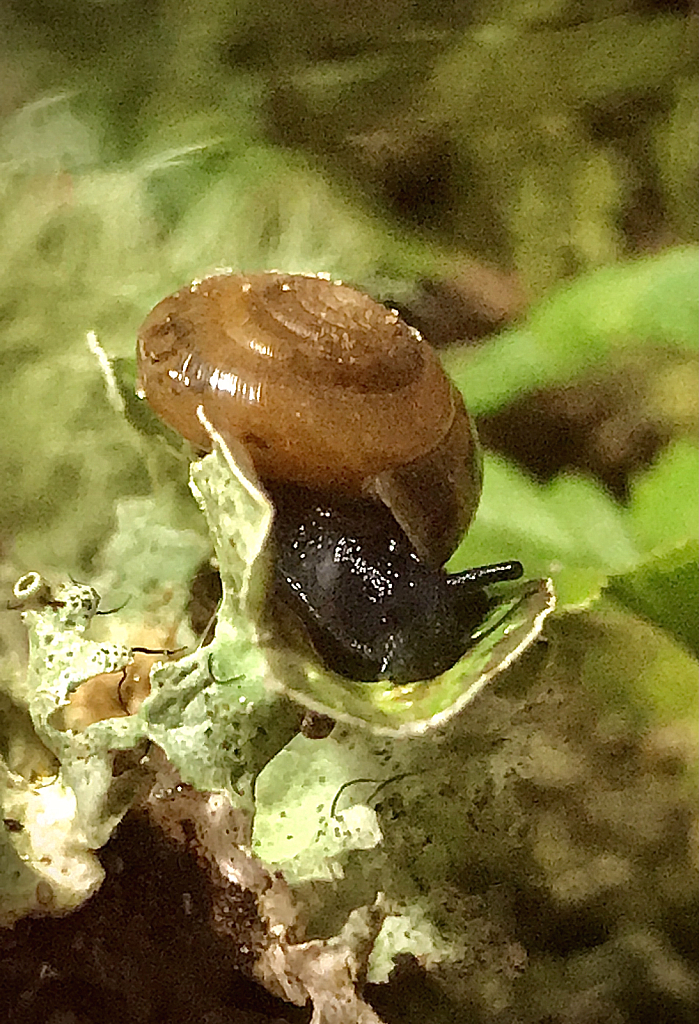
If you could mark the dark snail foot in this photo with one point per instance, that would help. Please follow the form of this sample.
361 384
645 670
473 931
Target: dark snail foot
371 608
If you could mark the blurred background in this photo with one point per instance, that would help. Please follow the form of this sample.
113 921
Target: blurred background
520 180
458 159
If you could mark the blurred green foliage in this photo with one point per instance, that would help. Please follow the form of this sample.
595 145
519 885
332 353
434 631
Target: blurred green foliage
552 137
143 144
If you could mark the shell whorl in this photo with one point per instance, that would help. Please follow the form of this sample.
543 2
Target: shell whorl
323 386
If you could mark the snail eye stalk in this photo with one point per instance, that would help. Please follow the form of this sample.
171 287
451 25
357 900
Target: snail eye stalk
486 575
314 380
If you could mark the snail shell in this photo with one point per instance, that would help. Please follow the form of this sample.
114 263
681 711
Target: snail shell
325 388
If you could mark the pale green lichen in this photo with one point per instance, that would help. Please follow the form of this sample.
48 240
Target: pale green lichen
409 930
227 718
300 827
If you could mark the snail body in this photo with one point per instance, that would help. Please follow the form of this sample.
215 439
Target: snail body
363 443
371 607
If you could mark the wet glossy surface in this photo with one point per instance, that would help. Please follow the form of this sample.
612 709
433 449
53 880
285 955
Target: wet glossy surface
321 386
371 607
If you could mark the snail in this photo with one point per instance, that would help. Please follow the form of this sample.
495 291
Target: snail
363 445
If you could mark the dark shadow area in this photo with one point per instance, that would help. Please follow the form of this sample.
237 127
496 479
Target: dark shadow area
141 950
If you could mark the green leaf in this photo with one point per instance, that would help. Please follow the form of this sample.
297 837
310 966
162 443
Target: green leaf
641 674
662 518
572 531
650 303
664 500
665 590
569 530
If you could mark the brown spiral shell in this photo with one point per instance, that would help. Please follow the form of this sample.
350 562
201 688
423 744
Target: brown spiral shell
324 387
